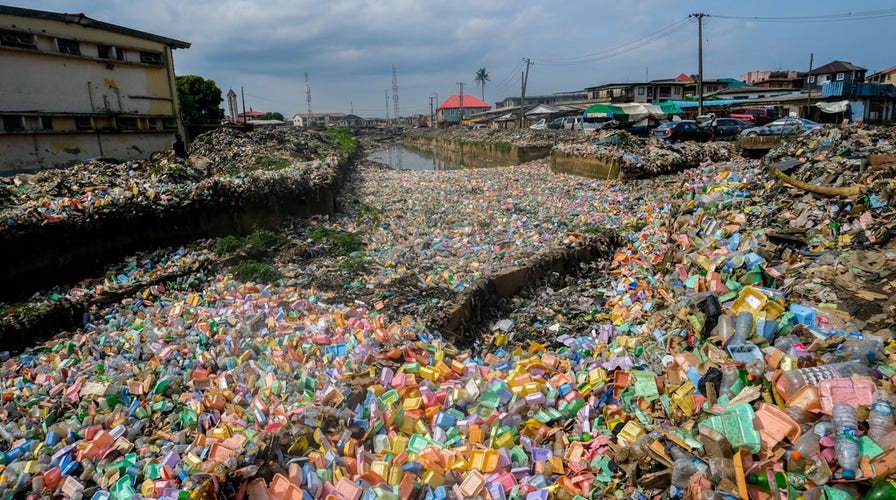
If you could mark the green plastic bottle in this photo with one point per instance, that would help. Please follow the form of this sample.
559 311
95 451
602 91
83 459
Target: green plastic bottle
782 480
884 490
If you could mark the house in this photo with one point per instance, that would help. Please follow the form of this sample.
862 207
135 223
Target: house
886 76
317 119
782 79
449 112
551 100
643 92
351 121
835 71
859 101
250 116
77 88
751 93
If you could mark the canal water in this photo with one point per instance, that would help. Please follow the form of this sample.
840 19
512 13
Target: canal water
402 157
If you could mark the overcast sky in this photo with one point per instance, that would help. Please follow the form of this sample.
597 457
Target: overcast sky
348 47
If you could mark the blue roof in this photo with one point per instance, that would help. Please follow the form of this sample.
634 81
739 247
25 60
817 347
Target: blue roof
709 104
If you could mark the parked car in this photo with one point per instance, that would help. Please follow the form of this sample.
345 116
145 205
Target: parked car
591 127
479 126
642 128
540 124
556 123
724 128
757 116
571 122
685 130
782 126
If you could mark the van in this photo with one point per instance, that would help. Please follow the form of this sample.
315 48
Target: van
572 122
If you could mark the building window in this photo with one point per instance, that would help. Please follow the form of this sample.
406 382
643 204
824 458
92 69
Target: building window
18 40
127 123
640 90
153 124
170 123
105 52
46 122
840 76
68 46
151 58
83 123
13 123
812 79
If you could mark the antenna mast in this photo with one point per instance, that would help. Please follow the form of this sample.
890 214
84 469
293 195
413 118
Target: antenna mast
308 96
395 92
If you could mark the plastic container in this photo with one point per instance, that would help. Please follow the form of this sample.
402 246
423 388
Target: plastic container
881 420
724 328
846 442
743 328
791 381
806 446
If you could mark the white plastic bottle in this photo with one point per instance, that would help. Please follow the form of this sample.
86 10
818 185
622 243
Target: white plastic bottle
880 420
846 442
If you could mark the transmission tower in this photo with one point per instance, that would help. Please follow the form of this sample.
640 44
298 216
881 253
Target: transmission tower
308 96
395 91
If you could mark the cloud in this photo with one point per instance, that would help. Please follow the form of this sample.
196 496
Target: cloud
349 46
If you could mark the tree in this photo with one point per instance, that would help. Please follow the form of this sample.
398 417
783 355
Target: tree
200 100
273 116
482 77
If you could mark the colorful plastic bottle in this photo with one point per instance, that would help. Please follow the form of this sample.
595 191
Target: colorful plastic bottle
885 490
793 380
782 480
880 420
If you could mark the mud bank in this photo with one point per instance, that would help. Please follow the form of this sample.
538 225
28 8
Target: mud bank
502 152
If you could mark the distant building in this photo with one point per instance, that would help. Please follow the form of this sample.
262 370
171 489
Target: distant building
835 71
250 116
886 76
782 79
76 88
551 100
643 92
317 119
449 111
351 121
231 105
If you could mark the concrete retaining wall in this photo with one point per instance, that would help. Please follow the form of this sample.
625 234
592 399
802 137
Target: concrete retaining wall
501 152
595 168
460 320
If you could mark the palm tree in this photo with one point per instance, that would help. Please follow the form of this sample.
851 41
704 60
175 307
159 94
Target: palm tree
481 79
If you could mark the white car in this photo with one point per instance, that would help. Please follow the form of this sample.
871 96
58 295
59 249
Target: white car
540 124
572 122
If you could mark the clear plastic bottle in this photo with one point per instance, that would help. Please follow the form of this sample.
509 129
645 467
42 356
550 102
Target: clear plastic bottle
792 380
724 328
682 471
729 377
818 471
846 442
743 328
880 420
803 452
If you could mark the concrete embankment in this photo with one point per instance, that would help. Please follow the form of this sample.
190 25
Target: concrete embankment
500 151
460 320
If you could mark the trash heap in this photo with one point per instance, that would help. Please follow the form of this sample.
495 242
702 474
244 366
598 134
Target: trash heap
643 158
709 357
517 137
224 164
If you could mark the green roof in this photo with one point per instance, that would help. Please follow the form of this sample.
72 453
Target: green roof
601 110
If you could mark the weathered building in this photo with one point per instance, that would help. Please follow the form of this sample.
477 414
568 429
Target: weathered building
76 88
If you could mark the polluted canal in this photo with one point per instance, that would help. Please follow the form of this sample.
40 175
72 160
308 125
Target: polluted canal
503 333
400 156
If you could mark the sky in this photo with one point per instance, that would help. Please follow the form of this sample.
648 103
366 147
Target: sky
348 47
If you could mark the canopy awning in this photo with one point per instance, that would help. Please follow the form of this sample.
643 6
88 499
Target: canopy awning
601 110
670 108
833 107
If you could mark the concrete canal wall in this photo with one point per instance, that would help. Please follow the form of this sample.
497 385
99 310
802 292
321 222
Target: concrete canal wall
592 167
501 152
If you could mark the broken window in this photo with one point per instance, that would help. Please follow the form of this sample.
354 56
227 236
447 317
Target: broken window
68 46
18 40
83 123
105 52
151 58
13 123
46 122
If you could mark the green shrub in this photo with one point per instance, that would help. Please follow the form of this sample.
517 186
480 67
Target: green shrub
262 238
503 146
343 243
344 139
354 262
251 270
229 244
271 163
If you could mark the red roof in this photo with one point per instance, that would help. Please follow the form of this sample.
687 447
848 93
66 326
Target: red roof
252 112
683 78
453 102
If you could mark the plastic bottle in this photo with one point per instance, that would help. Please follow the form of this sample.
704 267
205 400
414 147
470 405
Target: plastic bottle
792 380
682 471
807 446
846 442
743 328
724 328
880 420
729 378
884 490
782 481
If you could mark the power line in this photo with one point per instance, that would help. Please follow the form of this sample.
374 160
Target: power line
825 18
621 49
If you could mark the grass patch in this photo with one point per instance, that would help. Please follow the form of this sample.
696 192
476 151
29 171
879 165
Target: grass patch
229 244
262 238
354 262
503 146
271 163
251 270
344 138
343 243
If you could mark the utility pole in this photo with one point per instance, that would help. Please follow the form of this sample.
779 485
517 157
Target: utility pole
395 92
699 17
525 80
386 91
432 113
809 84
461 120
243 97
308 98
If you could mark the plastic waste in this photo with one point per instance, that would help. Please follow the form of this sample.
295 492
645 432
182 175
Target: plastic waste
792 380
884 490
881 420
846 441
743 328
781 480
